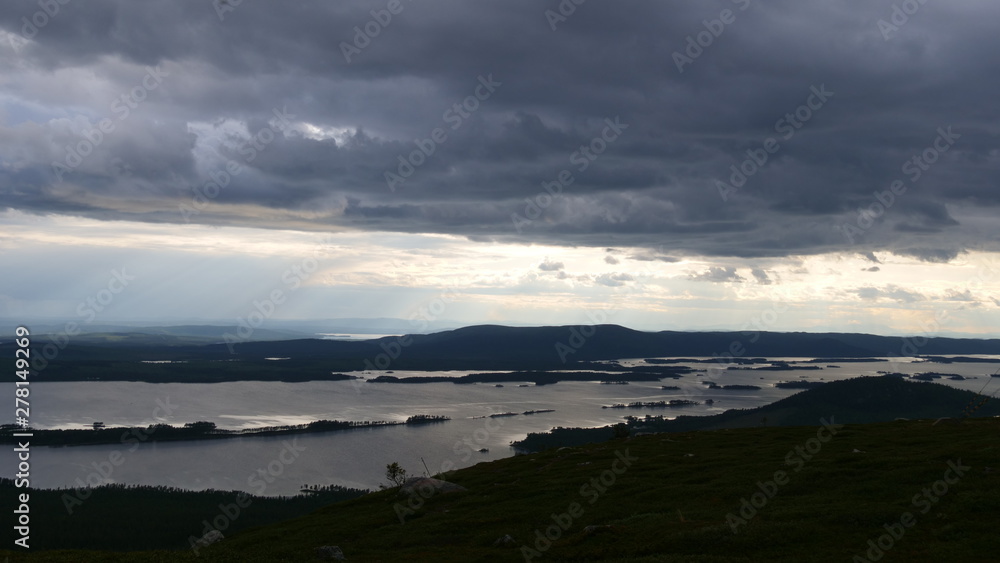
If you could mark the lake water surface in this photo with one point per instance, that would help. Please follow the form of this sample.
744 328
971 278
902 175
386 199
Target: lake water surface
357 458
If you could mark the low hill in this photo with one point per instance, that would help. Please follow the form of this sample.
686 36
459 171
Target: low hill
852 401
550 345
181 335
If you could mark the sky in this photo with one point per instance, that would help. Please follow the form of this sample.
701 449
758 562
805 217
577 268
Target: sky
783 164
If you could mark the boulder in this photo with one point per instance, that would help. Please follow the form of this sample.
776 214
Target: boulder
213 536
505 541
428 486
330 553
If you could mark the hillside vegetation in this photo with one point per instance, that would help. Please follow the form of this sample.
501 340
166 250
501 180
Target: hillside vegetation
820 495
131 517
857 400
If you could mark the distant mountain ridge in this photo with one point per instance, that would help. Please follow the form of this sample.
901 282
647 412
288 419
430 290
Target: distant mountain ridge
553 344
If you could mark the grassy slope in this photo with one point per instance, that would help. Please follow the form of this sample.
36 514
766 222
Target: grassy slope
669 506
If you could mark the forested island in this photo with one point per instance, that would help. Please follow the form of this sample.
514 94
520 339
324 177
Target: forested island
738 387
543 377
653 404
201 430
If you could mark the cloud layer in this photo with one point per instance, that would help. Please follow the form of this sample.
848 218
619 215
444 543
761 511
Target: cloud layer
721 128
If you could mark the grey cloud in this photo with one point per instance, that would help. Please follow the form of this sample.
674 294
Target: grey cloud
613 280
890 292
653 186
653 256
940 255
761 276
718 274
549 266
953 295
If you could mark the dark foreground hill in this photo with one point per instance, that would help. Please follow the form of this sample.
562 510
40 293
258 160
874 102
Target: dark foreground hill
134 517
858 400
897 491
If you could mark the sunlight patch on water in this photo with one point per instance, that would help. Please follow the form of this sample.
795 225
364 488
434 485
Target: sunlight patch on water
257 421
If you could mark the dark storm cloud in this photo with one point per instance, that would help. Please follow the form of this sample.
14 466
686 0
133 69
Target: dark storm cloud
586 135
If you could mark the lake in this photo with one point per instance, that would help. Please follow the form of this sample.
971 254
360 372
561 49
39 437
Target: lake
357 458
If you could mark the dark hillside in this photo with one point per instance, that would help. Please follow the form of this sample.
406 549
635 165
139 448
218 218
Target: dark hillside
859 400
